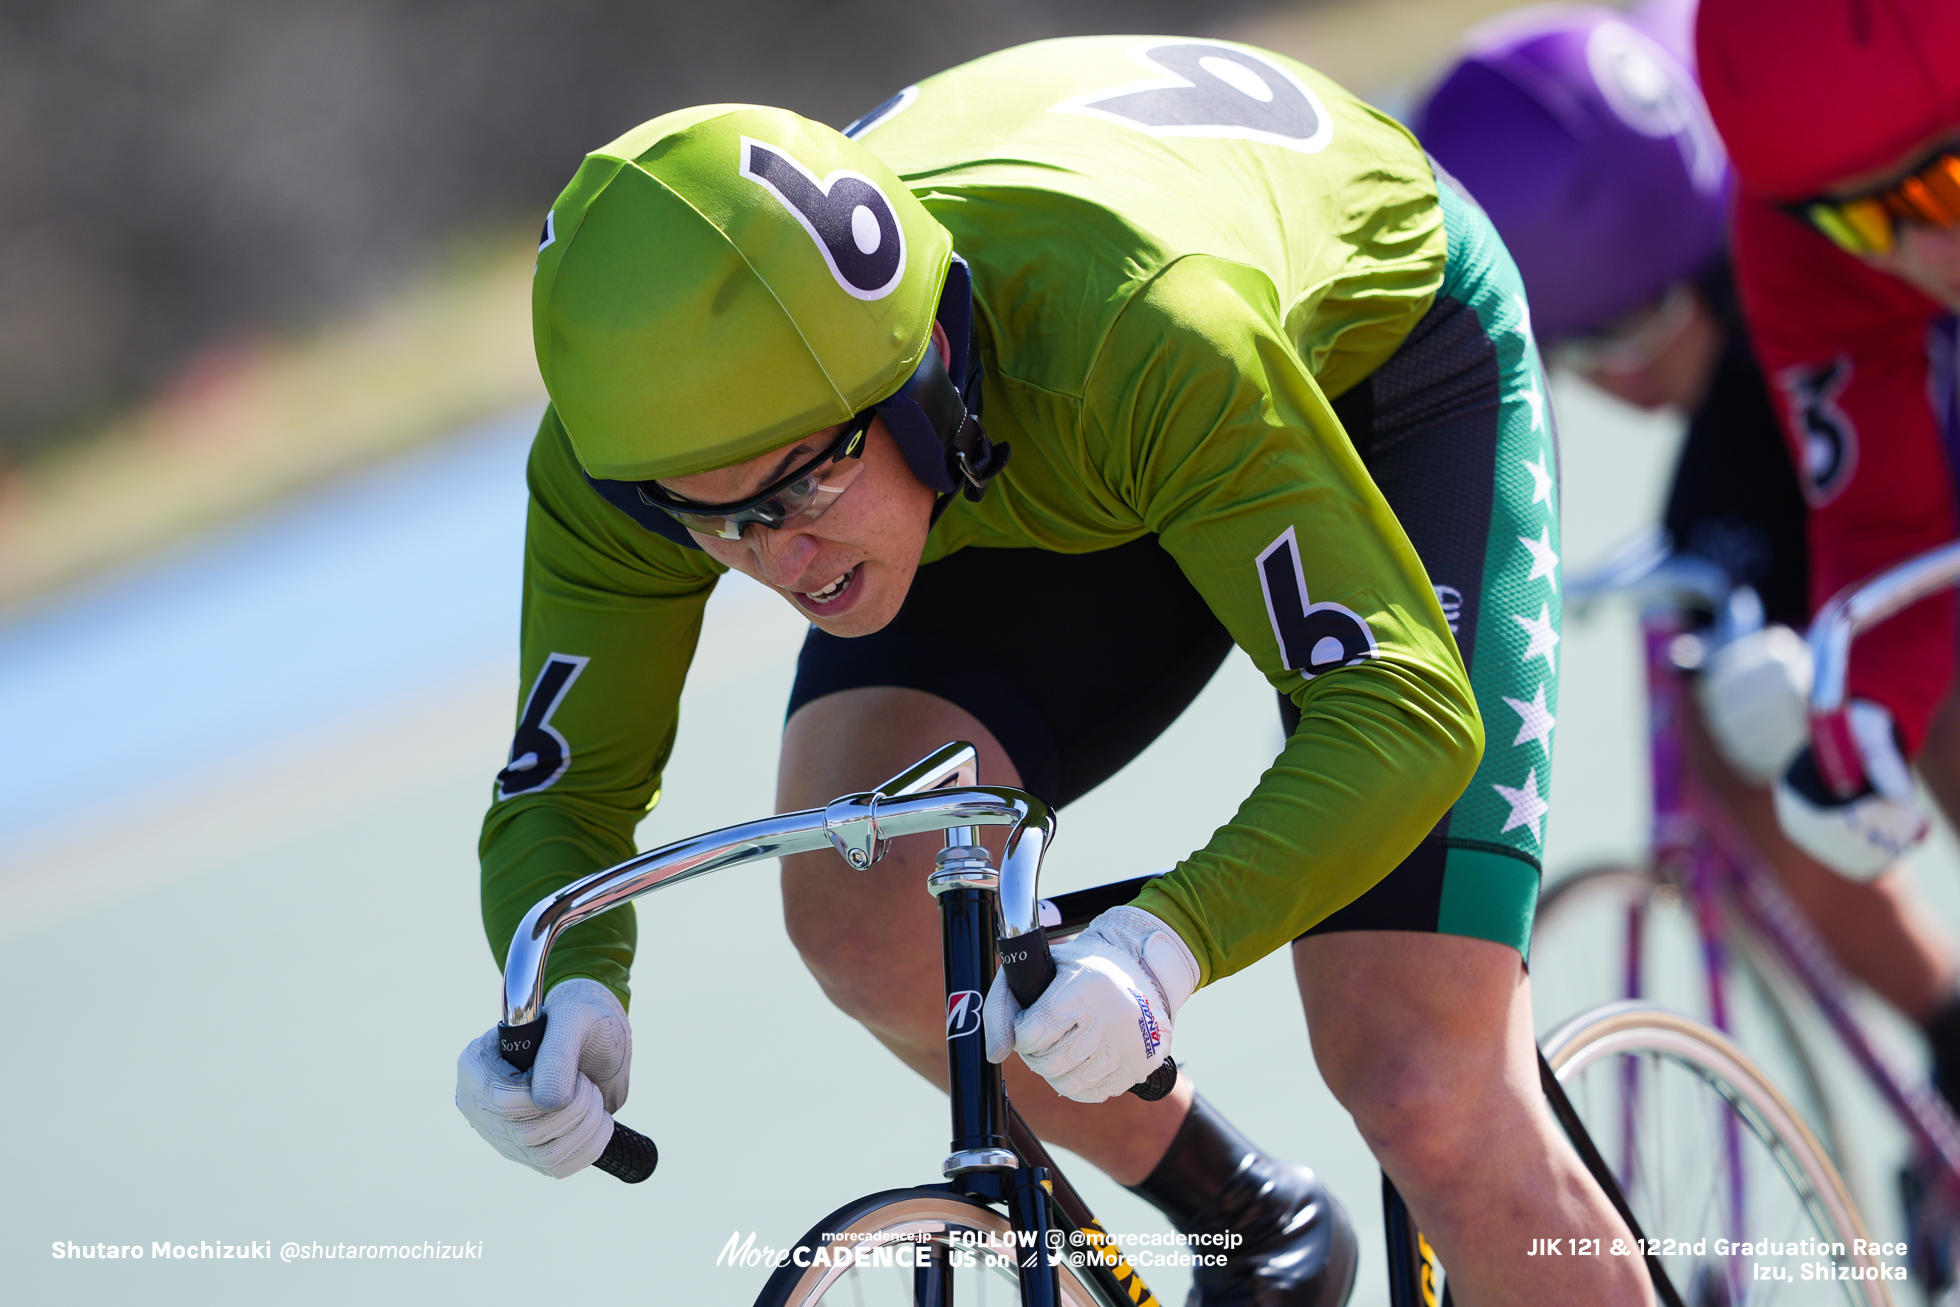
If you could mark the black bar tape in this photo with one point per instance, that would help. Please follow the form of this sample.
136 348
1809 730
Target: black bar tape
1029 966
629 1154
1159 1083
519 1044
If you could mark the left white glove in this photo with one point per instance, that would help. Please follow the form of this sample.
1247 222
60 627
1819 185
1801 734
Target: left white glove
1104 1022
556 1117
1755 696
1861 836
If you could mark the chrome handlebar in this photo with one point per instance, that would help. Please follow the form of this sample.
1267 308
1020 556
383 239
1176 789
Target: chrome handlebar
858 826
1645 568
1857 608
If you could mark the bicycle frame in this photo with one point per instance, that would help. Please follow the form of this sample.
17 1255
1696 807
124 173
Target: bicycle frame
1697 848
993 1154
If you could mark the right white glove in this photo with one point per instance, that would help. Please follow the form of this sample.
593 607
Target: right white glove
1755 695
1104 1022
556 1117
1860 836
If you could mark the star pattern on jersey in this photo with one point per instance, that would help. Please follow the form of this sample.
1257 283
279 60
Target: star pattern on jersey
1536 398
1543 639
1536 720
1543 561
1526 803
1528 808
1541 481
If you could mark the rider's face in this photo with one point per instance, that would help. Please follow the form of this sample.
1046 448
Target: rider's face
869 540
1666 359
1927 258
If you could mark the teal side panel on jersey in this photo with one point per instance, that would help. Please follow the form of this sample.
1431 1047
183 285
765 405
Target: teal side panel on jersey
1497 829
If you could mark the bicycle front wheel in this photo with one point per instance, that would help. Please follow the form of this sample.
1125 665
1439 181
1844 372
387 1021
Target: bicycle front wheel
908 1248
1729 1185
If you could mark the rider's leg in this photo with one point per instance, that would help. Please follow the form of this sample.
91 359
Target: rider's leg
1879 929
872 939
1416 994
1427 1040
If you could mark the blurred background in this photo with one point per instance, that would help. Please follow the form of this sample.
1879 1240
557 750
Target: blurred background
265 394
282 240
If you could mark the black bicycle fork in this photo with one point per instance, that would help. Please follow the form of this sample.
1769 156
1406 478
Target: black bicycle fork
983 1162
995 1156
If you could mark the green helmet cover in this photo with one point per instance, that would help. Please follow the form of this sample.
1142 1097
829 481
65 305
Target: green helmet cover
723 280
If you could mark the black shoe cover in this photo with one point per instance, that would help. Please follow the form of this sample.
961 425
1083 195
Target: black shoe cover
1299 1247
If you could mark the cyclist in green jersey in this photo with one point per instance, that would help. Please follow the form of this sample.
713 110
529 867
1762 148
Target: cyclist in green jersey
1251 374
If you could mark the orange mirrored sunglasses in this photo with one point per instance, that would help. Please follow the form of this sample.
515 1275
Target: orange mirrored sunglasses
1866 224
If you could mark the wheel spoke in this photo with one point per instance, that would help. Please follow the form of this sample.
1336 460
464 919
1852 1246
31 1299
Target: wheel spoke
1714 1152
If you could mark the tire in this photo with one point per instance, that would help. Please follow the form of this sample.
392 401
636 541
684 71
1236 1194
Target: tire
1669 1102
915 1217
1579 962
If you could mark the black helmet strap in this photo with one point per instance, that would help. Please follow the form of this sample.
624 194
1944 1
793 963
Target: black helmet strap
935 418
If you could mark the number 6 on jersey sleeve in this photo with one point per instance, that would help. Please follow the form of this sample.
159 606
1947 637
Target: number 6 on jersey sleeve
538 753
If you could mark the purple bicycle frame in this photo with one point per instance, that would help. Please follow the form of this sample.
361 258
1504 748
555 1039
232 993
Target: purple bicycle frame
1699 849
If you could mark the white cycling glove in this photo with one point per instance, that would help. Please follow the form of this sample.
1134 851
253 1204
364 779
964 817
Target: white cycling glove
1104 1022
1863 835
556 1117
1755 695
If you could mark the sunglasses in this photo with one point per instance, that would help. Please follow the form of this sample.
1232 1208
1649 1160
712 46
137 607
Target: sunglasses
797 500
1865 224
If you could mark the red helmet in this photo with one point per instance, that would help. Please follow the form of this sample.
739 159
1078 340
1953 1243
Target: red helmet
1809 92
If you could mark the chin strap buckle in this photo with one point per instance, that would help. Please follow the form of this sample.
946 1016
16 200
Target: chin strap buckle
977 459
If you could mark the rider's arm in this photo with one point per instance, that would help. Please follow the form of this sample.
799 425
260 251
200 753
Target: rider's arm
1849 354
1202 421
600 588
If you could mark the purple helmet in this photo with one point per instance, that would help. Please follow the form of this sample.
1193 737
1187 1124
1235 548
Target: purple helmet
1671 23
1589 146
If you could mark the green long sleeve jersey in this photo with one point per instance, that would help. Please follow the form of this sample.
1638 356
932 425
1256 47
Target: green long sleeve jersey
1179 250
